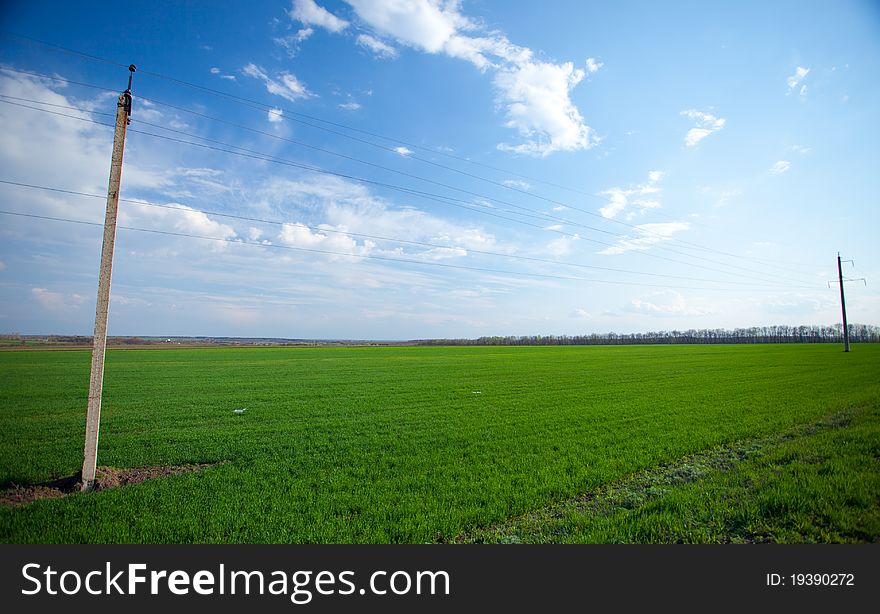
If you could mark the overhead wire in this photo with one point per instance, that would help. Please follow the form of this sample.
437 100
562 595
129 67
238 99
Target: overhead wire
244 152
289 112
360 256
324 229
640 228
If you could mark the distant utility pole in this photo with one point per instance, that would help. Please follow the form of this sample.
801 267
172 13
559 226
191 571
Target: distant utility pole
840 281
99 343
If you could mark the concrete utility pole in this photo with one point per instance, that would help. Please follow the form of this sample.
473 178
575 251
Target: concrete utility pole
99 343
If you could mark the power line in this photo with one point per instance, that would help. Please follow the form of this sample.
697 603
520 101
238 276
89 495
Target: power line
265 157
243 152
55 78
377 237
254 104
411 175
261 106
57 106
363 256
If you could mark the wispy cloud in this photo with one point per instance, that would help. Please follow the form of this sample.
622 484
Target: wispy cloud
56 301
351 105
216 71
666 303
593 65
796 79
518 184
291 43
285 85
726 196
309 13
641 197
376 47
706 124
562 246
275 115
403 151
647 235
780 167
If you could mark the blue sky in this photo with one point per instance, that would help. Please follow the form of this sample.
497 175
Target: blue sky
418 169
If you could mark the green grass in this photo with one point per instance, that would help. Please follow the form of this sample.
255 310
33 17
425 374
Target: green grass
392 444
817 483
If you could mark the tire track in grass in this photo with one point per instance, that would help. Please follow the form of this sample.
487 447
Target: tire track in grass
643 488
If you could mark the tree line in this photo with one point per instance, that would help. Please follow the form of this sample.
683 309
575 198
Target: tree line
782 333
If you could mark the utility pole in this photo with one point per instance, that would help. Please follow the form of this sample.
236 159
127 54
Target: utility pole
99 342
840 280
842 304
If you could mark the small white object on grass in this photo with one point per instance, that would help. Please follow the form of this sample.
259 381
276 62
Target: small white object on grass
476 392
239 411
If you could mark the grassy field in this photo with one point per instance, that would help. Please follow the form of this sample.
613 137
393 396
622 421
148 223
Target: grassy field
438 444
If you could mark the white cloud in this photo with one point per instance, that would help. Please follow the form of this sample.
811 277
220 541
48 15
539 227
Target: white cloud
286 85
216 71
420 23
196 222
647 235
642 197
443 253
275 115
338 204
780 167
666 303
562 246
75 151
582 314
403 151
534 95
794 80
518 184
292 42
2 266
799 303
377 47
178 218
538 106
706 124
593 65
309 13
341 245
57 301
801 149
351 105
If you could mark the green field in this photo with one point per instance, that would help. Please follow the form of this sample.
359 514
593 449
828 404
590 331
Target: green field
418 444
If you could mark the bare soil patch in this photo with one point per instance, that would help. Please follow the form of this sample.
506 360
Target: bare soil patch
105 477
